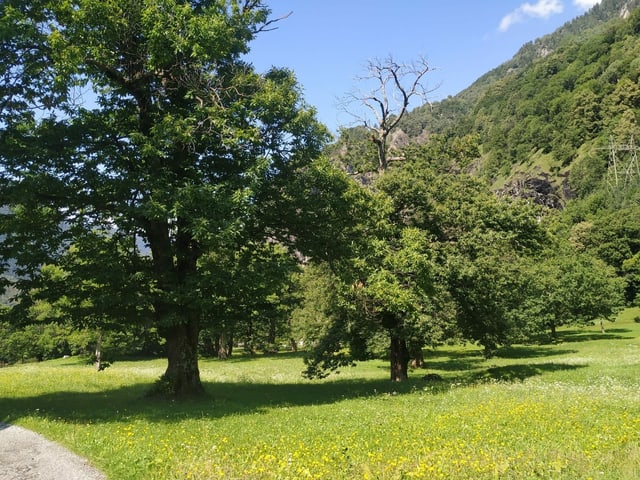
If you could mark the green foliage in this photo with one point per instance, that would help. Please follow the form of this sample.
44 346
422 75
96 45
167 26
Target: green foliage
489 292
631 270
573 288
613 237
41 342
44 341
186 152
446 263
319 306
354 151
572 88
586 174
562 98
251 294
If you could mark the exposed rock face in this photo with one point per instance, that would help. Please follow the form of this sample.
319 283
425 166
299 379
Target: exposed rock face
624 12
543 51
538 189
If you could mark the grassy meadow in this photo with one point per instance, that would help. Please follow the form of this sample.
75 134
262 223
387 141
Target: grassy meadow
570 410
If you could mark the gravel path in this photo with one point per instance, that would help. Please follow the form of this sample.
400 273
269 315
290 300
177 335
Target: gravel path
25 455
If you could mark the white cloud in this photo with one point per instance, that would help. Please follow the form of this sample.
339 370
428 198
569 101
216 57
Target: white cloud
540 9
585 4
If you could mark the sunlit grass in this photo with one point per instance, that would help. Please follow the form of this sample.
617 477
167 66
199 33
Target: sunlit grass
564 411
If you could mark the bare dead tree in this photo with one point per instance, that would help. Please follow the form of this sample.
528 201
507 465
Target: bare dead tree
380 109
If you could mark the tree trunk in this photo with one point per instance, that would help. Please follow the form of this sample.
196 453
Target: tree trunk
271 335
249 346
230 344
223 346
98 362
418 360
399 358
381 146
554 333
174 265
182 377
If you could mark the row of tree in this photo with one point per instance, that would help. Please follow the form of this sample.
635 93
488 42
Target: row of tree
445 259
187 195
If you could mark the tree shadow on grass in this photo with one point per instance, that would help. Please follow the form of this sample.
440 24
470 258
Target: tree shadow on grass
239 398
453 361
472 360
222 399
520 372
589 335
241 356
531 351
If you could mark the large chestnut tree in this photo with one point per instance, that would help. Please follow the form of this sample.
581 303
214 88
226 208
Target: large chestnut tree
138 127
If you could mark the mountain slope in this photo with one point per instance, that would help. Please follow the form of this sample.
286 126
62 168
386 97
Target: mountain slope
548 114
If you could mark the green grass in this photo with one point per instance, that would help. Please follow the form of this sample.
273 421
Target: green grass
570 410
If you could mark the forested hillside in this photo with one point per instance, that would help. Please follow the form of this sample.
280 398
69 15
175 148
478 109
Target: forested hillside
551 111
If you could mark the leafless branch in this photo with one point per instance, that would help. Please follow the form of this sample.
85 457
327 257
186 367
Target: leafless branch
268 25
393 86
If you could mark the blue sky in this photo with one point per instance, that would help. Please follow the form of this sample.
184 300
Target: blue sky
327 43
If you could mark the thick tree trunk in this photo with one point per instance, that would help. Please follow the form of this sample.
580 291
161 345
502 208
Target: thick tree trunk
399 358
182 377
174 264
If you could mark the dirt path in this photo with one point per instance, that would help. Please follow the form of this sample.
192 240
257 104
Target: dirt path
25 455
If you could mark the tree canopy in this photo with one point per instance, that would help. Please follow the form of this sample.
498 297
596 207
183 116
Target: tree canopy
136 142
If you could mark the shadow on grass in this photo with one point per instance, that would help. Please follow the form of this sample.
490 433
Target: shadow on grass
453 361
243 357
589 335
520 372
241 398
222 399
530 351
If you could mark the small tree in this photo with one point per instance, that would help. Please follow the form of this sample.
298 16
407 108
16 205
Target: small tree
573 288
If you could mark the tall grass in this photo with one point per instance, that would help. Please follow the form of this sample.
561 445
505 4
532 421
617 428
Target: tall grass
570 410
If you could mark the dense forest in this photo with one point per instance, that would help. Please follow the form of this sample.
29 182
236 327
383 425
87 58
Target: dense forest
508 210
